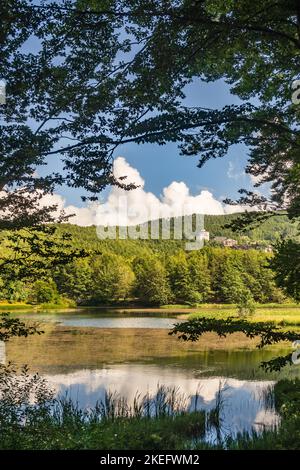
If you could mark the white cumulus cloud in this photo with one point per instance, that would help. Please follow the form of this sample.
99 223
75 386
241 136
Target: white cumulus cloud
137 206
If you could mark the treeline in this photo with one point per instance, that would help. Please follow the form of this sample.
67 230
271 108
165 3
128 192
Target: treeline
153 277
150 271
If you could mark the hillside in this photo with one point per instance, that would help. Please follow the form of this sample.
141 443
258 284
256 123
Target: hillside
269 231
154 271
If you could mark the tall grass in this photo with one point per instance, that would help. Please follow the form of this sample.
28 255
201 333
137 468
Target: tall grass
31 417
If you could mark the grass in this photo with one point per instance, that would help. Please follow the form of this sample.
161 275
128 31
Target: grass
31 418
15 306
226 306
286 314
72 432
65 303
158 422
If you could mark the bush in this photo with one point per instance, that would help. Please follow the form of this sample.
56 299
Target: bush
246 304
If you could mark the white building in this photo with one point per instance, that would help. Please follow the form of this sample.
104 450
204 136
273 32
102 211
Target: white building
203 235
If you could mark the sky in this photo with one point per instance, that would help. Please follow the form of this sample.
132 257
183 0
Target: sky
170 183
160 168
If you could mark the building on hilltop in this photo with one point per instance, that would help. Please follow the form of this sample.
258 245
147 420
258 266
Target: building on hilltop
203 235
229 242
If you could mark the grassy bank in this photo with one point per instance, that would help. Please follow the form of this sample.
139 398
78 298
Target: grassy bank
72 432
286 314
15 306
65 304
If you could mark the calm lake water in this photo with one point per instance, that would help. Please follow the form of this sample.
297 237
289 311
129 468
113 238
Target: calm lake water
85 353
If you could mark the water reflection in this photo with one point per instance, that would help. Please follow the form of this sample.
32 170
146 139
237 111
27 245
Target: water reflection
115 322
243 408
104 319
86 354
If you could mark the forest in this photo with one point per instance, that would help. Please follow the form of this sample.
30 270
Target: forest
201 93
154 272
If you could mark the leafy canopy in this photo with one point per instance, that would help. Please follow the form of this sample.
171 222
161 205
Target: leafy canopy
103 73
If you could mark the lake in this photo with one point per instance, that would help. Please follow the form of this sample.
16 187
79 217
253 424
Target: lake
87 352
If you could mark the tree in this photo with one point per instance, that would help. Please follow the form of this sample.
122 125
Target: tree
108 73
268 333
200 274
63 99
75 280
241 42
112 278
181 283
11 327
286 264
15 291
246 304
29 254
114 72
232 285
151 284
44 292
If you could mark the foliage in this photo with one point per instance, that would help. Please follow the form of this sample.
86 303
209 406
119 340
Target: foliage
29 254
10 327
55 93
231 284
200 275
268 332
31 418
109 73
105 74
286 264
75 280
151 284
246 304
112 279
44 292
181 279
92 271
14 291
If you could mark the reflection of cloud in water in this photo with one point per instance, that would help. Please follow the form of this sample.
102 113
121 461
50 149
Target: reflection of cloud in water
265 418
243 407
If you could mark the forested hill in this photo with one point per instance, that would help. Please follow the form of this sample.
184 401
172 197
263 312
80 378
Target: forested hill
149 271
269 231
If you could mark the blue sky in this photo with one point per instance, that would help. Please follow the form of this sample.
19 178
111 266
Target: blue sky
161 165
